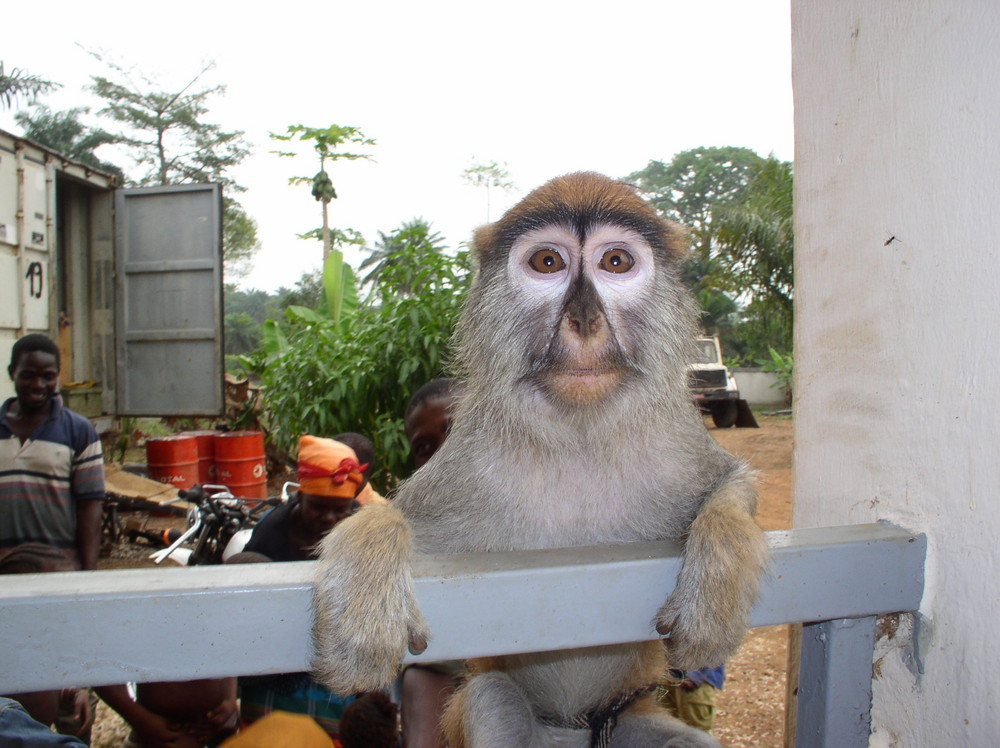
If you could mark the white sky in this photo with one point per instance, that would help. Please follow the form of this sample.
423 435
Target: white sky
547 87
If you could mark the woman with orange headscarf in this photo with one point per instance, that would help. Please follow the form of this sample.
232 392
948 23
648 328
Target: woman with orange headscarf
329 479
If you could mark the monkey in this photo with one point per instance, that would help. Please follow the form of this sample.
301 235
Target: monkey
575 427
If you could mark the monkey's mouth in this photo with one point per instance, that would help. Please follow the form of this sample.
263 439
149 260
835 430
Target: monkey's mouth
584 386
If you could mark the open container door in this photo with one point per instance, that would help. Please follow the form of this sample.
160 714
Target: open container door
169 301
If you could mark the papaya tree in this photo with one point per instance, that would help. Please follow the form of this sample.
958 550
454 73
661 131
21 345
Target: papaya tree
325 141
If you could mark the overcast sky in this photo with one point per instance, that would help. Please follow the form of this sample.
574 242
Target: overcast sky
544 87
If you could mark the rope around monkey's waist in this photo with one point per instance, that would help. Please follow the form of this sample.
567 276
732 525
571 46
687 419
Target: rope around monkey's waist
600 721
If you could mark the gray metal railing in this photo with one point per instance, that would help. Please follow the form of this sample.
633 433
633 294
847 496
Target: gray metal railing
97 628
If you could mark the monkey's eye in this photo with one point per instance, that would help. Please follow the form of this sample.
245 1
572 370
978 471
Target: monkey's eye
546 261
616 260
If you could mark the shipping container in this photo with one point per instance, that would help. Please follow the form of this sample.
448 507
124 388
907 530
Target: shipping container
128 282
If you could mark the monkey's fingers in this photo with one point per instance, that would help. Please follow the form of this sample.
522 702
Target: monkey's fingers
665 628
417 643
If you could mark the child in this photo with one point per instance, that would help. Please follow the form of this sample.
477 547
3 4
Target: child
69 708
183 714
428 417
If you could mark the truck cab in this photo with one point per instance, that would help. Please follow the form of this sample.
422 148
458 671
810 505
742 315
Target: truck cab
712 384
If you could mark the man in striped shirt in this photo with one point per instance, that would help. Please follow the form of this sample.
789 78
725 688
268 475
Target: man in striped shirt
51 467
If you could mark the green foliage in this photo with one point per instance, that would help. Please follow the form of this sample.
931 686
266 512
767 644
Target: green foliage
686 190
341 293
245 314
413 237
165 131
339 239
324 141
737 209
695 183
360 374
65 133
756 252
488 175
15 83
242 333
784 366
239 233
308 292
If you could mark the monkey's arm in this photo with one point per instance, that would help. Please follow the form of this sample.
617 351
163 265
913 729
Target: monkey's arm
365 609
725 555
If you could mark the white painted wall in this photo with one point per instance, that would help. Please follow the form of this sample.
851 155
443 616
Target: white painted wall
897 117
759 387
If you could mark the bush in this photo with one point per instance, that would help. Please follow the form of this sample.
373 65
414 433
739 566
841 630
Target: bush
358 374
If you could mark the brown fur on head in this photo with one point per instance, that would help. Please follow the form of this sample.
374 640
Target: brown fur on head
580 201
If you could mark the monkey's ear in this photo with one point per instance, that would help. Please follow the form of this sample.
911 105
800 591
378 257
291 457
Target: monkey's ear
483 240
678 240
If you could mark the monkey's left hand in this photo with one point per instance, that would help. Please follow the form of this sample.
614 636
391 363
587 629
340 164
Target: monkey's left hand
365 610
725 555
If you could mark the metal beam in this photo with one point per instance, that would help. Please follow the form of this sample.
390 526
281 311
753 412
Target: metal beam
835 684
95 628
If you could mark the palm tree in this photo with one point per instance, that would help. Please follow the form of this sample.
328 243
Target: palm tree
16 82
404 245
64 133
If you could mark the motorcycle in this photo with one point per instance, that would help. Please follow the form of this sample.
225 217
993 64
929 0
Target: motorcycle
219 524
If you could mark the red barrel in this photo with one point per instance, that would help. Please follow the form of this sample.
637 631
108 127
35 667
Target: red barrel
239 463
173 459
206 454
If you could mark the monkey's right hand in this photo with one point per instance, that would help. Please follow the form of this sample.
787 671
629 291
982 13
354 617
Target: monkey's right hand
365 611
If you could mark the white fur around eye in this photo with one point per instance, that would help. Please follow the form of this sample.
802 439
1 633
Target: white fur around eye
549 238
636 280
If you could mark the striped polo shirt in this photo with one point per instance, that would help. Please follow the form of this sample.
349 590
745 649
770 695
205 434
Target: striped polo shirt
42 479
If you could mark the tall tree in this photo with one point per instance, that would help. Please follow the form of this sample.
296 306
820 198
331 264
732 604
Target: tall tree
488 175
687 190
16 83
66 133
756 251
170 143
325 141
695 182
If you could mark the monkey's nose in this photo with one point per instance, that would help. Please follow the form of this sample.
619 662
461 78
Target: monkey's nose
584 325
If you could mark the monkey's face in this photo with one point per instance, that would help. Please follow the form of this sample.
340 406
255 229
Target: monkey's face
583 289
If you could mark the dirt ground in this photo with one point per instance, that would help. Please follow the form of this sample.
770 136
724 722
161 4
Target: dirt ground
751 709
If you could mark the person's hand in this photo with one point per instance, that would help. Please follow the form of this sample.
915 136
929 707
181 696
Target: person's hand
79 701
154 731
223 718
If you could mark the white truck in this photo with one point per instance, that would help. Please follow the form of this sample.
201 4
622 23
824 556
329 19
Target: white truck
128 282
714 389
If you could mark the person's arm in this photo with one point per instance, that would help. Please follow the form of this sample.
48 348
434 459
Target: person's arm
18 729
152 730
223 719
78 701
88 532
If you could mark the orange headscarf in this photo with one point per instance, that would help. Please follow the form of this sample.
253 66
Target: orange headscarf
328 468
281 728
